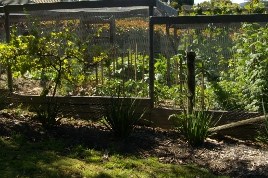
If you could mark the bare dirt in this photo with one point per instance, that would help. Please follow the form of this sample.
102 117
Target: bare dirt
220 154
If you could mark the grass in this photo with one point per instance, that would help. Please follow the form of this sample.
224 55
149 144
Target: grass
59 158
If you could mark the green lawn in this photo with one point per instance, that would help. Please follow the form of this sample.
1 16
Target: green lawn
56 158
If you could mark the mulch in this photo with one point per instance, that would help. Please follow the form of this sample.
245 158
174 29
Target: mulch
220 154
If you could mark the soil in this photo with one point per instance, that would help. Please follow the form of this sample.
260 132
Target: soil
220 154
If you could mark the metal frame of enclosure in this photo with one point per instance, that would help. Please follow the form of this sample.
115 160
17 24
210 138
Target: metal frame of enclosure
171 22
7 11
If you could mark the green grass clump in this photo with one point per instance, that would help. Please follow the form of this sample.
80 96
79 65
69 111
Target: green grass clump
193 126
122 116
59 158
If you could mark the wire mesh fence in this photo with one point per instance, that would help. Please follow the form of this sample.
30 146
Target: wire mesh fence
110 46
105 51
230 64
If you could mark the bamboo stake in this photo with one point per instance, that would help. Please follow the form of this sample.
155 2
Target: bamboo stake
135 62
202 88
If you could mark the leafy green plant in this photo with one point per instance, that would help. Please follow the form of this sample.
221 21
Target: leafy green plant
194 127
57 57
122 116
249 67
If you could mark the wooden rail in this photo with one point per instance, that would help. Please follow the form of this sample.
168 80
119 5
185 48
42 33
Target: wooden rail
82 107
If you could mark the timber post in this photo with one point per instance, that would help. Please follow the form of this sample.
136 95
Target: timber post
190 81
9 71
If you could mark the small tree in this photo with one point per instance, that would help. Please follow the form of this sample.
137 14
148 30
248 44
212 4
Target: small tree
56 56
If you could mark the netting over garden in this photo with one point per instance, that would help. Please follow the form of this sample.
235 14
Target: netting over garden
230 64
98 50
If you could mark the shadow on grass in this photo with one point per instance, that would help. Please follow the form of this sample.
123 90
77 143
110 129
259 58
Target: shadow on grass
68 150
19 158
57 158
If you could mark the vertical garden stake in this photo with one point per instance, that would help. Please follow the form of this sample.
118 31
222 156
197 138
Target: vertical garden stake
9 71
190 80
151 61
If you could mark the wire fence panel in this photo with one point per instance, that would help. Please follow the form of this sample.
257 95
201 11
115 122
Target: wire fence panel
105 51
231 64
101 51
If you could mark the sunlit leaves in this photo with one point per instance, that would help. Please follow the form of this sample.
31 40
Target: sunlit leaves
251 69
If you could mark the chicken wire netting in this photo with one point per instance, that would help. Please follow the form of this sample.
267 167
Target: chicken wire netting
230 65
107 50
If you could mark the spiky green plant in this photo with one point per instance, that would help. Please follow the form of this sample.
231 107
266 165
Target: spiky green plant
122 116
193 126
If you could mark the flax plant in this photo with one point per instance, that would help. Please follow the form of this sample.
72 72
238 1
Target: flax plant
122 116
194 127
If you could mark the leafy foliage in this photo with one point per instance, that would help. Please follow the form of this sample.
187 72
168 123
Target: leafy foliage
255 6
61 59
217 7
250 69
54 57
129 71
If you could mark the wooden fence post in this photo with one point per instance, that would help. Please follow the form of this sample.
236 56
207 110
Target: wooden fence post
190 81
9 71
151 63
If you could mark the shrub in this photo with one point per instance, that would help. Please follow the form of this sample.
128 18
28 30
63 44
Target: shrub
122 116
249 71
194 126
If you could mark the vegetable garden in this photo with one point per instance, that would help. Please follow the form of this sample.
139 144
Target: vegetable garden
97 52
120 62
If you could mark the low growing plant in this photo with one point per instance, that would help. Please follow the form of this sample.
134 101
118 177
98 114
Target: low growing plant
194 127
3 98
122 116
48 111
